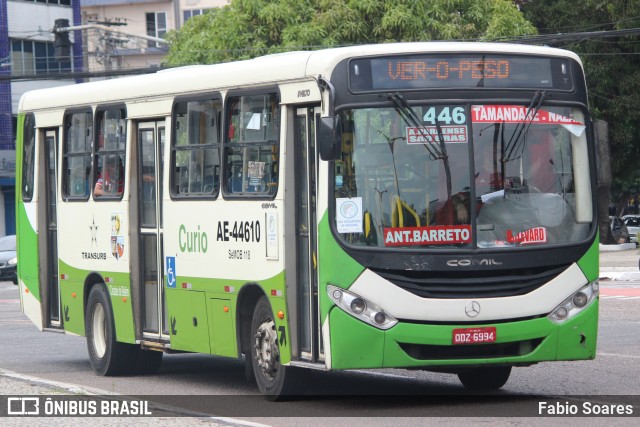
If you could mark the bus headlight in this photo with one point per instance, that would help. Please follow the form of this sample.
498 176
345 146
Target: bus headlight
575 303
360 308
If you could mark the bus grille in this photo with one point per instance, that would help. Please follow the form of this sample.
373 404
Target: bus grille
472 284
471 351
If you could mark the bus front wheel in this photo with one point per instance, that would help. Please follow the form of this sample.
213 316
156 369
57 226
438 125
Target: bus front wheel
108 357
487 378
275 381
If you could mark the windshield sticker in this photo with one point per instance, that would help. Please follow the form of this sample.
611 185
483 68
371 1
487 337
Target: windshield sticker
429 134
349 215
436 235
522 114
533 235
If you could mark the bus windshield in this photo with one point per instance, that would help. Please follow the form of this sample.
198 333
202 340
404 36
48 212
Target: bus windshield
462 176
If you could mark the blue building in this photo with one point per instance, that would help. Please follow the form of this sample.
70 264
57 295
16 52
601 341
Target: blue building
27 62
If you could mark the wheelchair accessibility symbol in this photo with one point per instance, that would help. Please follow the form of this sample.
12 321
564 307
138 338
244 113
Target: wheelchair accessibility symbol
170 263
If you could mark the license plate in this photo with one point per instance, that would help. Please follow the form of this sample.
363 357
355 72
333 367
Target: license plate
474 335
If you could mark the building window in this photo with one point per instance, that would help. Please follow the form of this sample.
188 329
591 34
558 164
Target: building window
188 14
30 57
76 167
156 26
251 145
195 159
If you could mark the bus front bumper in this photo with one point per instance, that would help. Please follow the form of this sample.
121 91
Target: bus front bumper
356 345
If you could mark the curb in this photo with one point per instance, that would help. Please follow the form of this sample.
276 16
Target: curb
620 275
614 248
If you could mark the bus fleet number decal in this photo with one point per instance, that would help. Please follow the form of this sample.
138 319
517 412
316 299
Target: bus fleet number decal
243 231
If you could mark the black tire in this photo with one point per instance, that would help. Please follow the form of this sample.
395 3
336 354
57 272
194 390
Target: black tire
248 366
275 381
148 362
108 357
489 378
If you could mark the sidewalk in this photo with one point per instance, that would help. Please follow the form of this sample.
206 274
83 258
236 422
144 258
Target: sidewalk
619 262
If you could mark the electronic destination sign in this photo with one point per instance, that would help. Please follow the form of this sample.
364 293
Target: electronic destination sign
459 71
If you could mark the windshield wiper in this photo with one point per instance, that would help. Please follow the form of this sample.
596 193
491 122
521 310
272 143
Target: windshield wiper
517 143
411 118
437 150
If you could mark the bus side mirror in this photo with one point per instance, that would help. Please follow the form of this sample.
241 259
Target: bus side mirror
329 137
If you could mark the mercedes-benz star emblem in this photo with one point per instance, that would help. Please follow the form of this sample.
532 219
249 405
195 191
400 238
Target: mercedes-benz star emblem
472 309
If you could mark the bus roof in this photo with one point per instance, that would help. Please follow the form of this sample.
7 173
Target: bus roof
264 70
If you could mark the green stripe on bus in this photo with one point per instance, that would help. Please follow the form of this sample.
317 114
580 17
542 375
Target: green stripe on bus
589 263
336 267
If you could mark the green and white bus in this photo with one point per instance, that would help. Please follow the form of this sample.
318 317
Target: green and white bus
417 205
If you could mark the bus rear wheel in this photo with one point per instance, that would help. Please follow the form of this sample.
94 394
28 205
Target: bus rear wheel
108 357
275 381
487 378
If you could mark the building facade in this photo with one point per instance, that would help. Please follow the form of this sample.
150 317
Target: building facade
27 62
132 24
105 36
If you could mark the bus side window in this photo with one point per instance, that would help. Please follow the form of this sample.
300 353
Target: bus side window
251 145
109 154
78 138
195 147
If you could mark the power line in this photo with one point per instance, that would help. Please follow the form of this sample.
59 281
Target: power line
590 27
560 38
80 74
576 36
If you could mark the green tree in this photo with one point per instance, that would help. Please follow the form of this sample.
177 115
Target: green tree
612 67
248 28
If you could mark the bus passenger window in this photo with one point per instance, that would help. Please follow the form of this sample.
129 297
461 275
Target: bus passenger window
110 180
28 156
78 138
110 153
195 163
251 148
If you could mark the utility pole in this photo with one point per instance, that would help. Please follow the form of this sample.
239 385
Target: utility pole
61 42
605 177
109 41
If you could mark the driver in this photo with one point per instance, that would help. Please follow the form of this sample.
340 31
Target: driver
487 179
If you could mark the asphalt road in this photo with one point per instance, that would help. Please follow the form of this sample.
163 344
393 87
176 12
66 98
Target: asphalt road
216 385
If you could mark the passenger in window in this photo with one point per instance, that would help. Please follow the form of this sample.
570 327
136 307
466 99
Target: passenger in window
235 181
110 181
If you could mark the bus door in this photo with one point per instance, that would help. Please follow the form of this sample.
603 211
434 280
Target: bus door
151 137
51 179
309 334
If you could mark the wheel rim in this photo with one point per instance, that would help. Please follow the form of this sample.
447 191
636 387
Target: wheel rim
266 349
99 331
